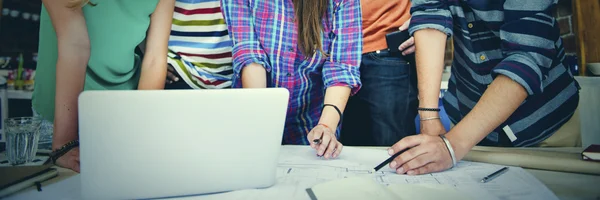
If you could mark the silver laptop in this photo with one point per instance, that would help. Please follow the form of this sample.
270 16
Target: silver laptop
154 144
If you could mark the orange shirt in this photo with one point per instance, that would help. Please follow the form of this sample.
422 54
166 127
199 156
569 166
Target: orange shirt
380 17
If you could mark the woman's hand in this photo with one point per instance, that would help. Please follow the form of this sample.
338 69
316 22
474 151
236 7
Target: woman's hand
171 74
327 145
70 160
408 46
427 154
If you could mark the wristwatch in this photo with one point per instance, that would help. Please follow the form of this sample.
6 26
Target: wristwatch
55 154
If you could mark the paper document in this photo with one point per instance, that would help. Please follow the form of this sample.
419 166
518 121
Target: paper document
366 188
299 169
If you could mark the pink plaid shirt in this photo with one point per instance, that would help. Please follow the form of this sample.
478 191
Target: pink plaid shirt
264 32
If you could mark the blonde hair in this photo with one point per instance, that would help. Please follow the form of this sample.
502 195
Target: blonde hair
79 3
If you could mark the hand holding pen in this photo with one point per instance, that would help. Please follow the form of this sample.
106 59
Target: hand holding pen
323 139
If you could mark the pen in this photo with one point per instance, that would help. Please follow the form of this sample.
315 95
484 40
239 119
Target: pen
494 175
389 160
317 141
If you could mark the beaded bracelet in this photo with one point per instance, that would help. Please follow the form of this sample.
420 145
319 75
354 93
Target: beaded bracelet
429 109
54 155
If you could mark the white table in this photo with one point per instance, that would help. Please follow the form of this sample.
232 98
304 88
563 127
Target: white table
567 186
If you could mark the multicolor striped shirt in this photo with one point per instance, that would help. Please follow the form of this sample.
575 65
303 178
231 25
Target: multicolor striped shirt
264 32
515 38
199 46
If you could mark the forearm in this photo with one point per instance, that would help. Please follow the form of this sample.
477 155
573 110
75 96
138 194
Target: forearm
492 110
70 78
154 65
338 96
254 76
430 49
153 75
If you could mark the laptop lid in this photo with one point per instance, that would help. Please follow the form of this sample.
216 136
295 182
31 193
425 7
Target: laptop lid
151 144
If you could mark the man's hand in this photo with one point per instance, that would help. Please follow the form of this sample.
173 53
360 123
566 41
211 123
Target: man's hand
428 154
408 46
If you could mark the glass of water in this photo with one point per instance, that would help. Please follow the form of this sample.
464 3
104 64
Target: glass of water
22 135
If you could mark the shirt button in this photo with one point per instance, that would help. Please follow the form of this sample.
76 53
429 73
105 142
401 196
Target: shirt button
289 75
470 25
482 57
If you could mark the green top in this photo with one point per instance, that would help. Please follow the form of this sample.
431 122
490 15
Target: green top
115 28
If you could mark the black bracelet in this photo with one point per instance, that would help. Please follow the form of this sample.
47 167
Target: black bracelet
54 155
336 109
429 109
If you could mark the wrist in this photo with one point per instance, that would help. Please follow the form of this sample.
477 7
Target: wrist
331 116
62 150
328 123
428 114
60 140
460 146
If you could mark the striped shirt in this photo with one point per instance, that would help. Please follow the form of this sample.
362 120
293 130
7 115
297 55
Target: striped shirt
199 45
264 32
515 38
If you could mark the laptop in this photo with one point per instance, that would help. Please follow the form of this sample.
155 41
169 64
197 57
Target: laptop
171 143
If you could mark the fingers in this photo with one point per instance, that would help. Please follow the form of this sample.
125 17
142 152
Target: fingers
410 50
406 44
428 168
402 160
332 148
416 162
172 77
406 142
324 143
338 150
171 74
314 135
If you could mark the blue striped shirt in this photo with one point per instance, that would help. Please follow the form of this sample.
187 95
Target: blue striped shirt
515 38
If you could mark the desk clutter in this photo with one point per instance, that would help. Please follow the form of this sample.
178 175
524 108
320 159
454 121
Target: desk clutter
301 175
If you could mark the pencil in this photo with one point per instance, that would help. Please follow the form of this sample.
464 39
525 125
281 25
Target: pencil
389 160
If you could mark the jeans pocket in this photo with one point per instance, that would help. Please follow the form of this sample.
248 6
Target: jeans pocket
384 66
387 57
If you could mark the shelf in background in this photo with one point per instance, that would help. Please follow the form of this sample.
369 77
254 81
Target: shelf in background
19 94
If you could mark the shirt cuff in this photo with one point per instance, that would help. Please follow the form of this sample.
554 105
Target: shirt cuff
520 73
339 74
438 19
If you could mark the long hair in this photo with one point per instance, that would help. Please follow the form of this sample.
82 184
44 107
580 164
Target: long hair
79 3
310 15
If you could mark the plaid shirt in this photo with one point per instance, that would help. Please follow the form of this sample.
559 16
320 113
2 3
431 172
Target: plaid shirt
264 32
516 38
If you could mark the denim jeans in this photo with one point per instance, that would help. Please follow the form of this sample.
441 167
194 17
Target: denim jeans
384 110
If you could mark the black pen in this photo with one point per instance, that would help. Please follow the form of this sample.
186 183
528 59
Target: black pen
317 141
494 175
389 160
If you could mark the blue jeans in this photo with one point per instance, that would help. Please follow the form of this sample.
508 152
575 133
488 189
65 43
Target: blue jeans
384 110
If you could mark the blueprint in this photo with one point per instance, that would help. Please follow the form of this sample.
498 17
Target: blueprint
300 169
